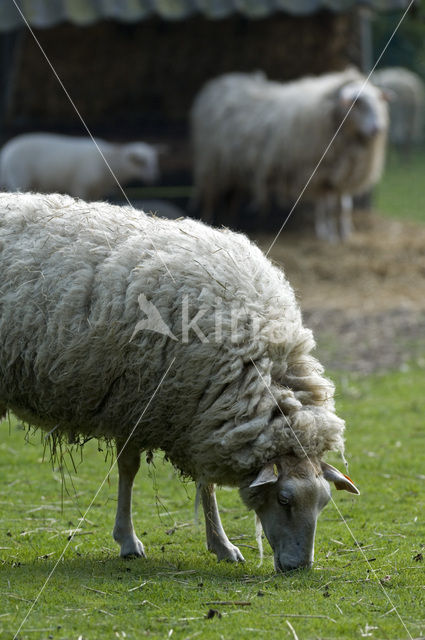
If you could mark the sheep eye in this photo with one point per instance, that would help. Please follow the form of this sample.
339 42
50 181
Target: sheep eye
282 499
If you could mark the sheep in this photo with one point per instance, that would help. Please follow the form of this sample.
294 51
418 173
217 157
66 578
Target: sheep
48 162
407 105
270 142
172 335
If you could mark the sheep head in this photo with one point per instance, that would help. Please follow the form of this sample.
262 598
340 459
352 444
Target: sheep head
364 108
288 496
141 162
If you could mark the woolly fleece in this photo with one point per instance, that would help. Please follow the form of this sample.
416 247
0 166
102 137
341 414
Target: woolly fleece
267 138
72 274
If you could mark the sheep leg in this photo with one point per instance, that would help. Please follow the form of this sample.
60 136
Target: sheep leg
333 216
217 541
124 534
325 222
321 219
346 220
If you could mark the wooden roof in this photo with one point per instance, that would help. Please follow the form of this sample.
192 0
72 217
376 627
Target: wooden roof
45 13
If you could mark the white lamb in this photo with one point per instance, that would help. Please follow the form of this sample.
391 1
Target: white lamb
48 162
163 334
266 140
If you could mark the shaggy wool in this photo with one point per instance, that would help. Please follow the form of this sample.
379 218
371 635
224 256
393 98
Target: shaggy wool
243 388
266 139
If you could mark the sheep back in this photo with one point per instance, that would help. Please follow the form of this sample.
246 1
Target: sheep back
71 360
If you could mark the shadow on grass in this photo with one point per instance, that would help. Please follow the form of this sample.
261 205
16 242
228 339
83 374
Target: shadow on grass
100 570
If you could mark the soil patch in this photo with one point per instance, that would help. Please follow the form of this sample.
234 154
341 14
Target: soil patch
364 299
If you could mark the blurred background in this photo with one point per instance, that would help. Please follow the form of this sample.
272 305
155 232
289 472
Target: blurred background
133 69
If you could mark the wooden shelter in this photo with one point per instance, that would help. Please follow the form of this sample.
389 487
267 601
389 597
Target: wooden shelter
133 67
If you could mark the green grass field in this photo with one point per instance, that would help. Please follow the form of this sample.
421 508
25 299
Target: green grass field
368 578
401 193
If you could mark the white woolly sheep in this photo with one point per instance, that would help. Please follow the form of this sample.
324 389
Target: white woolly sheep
407 105
265 139
162 334
48 162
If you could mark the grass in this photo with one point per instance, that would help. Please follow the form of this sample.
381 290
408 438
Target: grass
368 579
94 594
400 193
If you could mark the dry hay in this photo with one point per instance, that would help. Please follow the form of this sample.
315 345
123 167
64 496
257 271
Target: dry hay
365 299
381 267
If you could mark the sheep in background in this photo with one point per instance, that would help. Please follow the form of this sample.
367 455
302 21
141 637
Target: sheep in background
168 334
407 105
265 139
48 163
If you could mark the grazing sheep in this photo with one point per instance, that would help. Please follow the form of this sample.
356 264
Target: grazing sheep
407 105
265 139
48 162
162 334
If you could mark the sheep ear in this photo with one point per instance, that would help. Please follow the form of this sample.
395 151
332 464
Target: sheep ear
347 95
388 95
340 480
267 475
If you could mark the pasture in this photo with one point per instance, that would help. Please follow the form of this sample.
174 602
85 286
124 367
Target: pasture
400 194
368 570
368 576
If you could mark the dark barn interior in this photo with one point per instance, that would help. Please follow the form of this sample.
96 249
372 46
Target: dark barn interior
133 69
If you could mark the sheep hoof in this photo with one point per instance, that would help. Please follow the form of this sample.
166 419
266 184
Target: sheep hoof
230 553
132 548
